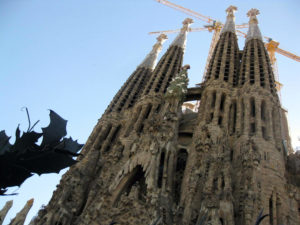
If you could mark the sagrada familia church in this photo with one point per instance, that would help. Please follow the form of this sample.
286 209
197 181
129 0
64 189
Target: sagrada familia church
148 162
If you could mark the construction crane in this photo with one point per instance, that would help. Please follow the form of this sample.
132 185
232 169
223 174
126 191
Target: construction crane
213 26
216 26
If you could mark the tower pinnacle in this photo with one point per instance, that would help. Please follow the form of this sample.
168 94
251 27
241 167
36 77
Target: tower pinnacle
230 25
253 31
180 40
150 60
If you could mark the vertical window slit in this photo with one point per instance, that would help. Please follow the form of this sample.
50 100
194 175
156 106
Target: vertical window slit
252 105
213 100
271 210
161 170
222 102
179 173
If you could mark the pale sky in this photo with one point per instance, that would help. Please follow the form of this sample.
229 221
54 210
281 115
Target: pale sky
72 56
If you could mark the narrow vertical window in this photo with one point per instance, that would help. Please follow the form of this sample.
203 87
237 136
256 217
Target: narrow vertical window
271 213
222 102
252 114
149 107
220 119
276 123
234 117
213 102
252 128
252 105
179 173
161 169
242 115
263 111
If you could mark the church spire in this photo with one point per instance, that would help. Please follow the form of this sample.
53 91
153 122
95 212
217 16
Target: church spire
134 86
224 61
230 24
150 60
255 66
253 31
170 63
180 40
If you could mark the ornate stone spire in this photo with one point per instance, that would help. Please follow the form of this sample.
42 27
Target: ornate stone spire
150 60
21 216
253 31
180 40
4 211
230 25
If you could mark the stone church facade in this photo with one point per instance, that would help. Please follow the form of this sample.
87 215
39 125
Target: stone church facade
147 162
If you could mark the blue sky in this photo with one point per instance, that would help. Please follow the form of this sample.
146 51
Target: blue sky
72 56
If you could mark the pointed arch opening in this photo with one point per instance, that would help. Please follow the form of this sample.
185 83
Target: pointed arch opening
134 180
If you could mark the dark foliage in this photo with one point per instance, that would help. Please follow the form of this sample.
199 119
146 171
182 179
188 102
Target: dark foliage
24 158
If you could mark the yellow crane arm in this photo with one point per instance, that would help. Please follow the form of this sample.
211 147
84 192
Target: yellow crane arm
187 11
244 25
178 30
288 54
240 33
